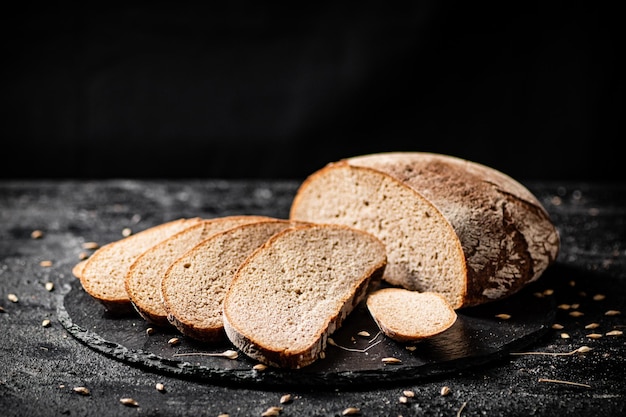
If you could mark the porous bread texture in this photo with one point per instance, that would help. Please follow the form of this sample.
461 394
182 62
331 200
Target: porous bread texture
297 289
143 280
423 250
506 237
194 286
409 316
103 274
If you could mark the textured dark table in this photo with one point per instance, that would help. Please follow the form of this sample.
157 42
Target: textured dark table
40 366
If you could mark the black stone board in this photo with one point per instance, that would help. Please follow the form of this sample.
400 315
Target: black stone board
477 337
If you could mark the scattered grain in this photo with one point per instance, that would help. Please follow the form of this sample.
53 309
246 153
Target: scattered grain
351 411
363 333
565 336
549 291
12 298
403 400
83 255
592 326
150 331
272 411
408 393
572 283
2 310
285 399
36 234
576 313
445 391
45 264
594 336
599 297
45 323
230 354
411 348
390 360
615 333
90 245
82 390
174 341
557 381
129 402
160 387
582 349
612 313
126 232
557 326
575 306
223 415
564 306
49 286
259 367
503 316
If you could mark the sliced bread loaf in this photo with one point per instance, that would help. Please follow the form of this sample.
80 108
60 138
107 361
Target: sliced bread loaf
451 226
143 280
297 289
194 286
408 316
103 275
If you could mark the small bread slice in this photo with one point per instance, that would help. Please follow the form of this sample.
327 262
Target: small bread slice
409 316
297 289
103 275
77 270
194 285
143 280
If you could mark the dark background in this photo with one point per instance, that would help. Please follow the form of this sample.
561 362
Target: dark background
240 91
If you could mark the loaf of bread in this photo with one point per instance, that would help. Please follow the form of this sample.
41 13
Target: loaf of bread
297 289
410 316
194 285
451 226
143 280
104 273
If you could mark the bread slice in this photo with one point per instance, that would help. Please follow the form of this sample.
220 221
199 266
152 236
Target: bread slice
77 270
143 280
103 275
194 286
450 225
409 316
297 289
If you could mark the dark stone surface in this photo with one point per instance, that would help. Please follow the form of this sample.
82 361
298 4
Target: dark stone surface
40 366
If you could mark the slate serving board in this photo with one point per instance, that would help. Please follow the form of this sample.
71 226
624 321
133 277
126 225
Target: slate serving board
477 337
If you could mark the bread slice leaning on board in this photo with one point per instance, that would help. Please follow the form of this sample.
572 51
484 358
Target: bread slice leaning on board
144 276
297 288
410 316
103 274
451 226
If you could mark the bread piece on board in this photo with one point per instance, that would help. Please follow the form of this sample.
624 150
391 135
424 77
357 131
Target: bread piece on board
297 289
103 274
409 316
451 226
194 286
143 280
77 270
